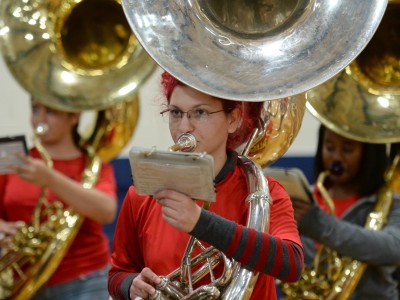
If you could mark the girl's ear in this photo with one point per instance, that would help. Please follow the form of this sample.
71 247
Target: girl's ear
75 118
234 119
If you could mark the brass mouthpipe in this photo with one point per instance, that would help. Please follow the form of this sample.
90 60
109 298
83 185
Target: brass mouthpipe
186 143
325 195
335 169
40 129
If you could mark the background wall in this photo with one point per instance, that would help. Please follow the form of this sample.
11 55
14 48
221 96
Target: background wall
150 130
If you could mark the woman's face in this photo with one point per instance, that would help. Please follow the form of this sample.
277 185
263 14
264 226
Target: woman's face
59 123
212 133
346 152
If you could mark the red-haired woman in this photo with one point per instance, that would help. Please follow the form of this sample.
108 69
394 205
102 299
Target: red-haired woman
152 231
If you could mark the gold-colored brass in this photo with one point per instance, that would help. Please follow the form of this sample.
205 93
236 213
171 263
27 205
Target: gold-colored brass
38 247
73 55
281 121
186 142
395 173
335 277
363 101
114 128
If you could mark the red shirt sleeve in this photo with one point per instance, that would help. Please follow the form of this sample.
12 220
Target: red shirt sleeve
106 182
127 259
3 184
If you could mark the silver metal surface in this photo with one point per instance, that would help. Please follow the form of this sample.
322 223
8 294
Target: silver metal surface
254 50
72 55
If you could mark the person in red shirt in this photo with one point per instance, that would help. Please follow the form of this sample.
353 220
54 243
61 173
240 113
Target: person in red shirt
82 274
152 232
356 175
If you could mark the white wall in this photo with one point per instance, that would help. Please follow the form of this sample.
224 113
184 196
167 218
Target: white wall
150 130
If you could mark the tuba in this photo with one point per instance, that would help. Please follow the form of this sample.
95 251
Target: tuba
253 50
360 103
72 56
38 247
179 284
335 277
260 50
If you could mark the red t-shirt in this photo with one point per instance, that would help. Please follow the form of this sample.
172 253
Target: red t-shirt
143 239
341 205
89 251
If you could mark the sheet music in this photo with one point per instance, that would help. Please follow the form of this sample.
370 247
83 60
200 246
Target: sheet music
293 180
8 147
188 173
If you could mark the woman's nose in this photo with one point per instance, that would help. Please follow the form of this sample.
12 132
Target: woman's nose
39 116
185 124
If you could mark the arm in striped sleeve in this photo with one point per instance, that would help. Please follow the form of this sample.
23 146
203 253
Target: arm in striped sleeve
259 251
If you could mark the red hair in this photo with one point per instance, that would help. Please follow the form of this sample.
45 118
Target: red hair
250 111
169 83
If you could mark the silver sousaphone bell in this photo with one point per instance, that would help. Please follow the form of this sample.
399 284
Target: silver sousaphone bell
254 50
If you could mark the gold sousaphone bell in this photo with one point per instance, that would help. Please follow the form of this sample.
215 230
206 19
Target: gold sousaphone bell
363 101
72 55
78 55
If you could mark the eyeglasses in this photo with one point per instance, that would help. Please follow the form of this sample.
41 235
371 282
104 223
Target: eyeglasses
194 115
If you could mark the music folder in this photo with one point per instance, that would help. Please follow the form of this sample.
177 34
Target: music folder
10 145
189 173
293 180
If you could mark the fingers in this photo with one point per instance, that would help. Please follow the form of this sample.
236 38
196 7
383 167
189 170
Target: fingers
23 167
9 227
143 285
300 208
7 231
178 210
33 170
22 157
24 171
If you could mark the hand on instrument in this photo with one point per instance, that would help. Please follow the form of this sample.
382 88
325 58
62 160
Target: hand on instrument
143 284
32 170
178 210
7 231
300 207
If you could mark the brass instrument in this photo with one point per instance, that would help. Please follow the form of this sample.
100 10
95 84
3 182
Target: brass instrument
236 282
38 247
71 56
186 143
277 126
363 102
254 50
334 277
360 103
281 122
